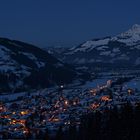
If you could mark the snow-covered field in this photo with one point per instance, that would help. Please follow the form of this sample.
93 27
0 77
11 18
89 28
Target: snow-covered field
134 84
96 83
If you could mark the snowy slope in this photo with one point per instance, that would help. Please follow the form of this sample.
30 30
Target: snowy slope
130 37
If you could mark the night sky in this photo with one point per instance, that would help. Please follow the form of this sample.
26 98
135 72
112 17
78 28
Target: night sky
65 22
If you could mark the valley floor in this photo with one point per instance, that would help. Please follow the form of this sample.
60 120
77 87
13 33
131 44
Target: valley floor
46 110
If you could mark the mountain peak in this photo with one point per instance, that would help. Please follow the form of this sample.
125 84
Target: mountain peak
136 27
130 36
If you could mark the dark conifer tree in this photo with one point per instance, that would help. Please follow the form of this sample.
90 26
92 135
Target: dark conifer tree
59 134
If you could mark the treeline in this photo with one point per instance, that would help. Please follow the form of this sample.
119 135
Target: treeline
9 82
5 79
111 124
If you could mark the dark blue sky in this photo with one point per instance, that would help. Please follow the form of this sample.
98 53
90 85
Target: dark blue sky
66 22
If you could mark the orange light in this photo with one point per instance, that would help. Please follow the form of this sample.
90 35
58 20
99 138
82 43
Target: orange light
24 112
55 119
66 102
105 98
14 121
95 105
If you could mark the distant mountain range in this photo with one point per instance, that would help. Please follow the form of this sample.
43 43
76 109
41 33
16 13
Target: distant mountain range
24 66
121 51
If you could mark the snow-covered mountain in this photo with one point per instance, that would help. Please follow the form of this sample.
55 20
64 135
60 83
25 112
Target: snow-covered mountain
24 66
122 50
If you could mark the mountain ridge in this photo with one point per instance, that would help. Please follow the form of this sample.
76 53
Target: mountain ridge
122 50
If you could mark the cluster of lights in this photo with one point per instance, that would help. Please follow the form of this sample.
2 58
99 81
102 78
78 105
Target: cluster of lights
58 108
105 98
94 106
13 122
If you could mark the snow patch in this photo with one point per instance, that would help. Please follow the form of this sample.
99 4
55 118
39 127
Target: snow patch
105 53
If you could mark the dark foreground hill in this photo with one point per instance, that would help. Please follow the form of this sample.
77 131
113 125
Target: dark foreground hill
24 66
